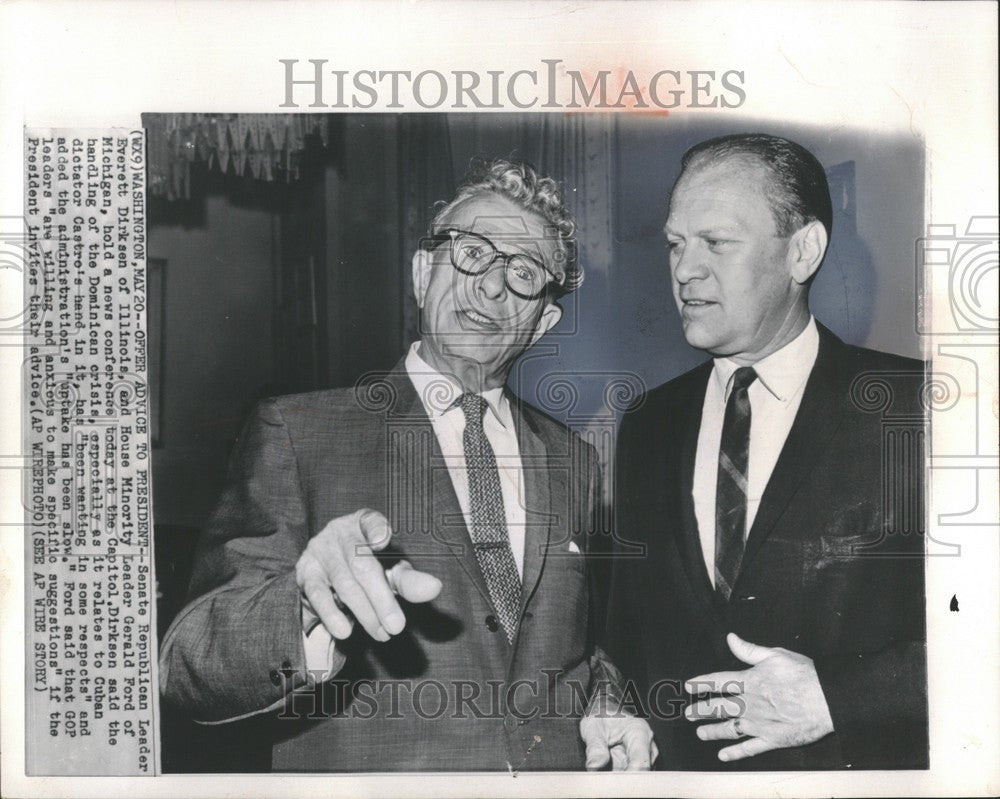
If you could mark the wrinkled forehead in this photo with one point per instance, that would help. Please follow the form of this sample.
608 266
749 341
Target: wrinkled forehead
509 226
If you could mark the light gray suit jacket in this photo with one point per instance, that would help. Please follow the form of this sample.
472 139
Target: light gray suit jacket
450 692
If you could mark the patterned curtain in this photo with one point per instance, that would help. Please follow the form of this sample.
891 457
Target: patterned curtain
579 149
263 146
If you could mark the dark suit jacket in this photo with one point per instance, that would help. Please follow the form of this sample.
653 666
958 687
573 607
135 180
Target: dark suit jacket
833 566
450 692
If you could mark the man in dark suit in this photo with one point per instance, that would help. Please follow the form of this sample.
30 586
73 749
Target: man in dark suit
776 618
396 570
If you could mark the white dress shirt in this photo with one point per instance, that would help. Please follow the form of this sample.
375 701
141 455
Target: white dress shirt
774 400
438 394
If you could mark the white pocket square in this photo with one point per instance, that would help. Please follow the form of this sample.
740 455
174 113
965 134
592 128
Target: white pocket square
574 548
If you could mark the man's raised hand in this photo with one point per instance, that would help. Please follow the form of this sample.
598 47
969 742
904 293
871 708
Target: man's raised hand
776 703
338 571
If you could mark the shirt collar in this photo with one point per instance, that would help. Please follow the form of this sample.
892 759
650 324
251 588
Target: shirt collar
782 373
438 392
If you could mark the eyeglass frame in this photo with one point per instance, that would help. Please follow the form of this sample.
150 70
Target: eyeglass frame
452 234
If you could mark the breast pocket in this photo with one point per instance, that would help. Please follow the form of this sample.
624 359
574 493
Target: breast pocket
848 534
841 580
830 555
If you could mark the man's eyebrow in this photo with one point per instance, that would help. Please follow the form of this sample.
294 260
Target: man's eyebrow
525 245
714 231
711 232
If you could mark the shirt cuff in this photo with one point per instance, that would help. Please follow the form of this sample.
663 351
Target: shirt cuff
323 659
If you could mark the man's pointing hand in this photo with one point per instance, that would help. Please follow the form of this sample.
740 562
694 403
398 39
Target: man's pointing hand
339 576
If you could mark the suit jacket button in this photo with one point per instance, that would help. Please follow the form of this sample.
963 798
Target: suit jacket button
275 677
492 624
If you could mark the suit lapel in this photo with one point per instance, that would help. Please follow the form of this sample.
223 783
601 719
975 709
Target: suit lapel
818 417
688 537
436 527
536 476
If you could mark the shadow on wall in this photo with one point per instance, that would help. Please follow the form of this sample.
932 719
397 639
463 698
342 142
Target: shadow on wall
845 290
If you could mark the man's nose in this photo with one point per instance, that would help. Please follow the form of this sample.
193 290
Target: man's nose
492 282
687 264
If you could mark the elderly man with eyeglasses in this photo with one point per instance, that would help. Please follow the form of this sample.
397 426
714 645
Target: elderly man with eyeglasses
396 571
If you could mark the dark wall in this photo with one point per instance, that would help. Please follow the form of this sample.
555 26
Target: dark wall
218 339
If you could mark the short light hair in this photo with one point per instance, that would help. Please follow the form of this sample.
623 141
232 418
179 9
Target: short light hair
796 187
519 182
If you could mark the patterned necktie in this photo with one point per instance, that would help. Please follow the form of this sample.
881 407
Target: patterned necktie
731 489
489 521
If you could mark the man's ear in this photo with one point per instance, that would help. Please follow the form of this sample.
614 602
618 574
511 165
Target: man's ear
806 251
422 266
550 318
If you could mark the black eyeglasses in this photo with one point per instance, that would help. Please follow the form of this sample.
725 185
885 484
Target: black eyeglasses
472 254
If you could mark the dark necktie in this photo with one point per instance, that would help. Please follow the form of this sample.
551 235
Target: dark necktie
489 521
731 489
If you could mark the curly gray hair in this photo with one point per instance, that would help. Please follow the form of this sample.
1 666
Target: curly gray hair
520 183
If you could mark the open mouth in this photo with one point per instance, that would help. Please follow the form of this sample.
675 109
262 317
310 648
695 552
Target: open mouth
478 319
695 304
